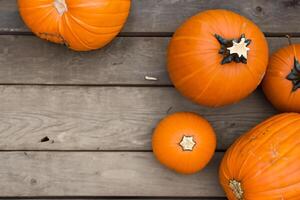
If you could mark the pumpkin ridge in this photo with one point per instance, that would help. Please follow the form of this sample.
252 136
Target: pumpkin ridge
278 159
269 124
82 25
262 144
184 79
43 17
212 16
112 13
223 95
286 186
286 52
190 53
261 127
67 23
94 4
250 72
46 35
212 78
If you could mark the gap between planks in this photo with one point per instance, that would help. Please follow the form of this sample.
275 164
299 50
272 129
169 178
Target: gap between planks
124 62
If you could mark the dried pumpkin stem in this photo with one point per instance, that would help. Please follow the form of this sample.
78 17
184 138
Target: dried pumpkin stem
234 49
290 43
187 143
61 6
294 75
237 189
289 39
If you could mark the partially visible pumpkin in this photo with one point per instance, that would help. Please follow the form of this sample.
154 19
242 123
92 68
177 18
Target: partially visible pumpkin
82 25
217 57
281 84
264 164
184 142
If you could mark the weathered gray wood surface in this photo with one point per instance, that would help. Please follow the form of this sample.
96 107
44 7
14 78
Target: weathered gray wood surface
278 16
120 198
108 118
112 121
127 60
100 174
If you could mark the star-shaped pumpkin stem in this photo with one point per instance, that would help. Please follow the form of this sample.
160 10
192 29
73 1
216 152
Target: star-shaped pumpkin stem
187 143
234 49
294 75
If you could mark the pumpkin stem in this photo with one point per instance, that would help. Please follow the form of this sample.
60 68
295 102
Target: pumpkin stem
187 143
290 43
289 39
60 6
237 189
234 49
294 75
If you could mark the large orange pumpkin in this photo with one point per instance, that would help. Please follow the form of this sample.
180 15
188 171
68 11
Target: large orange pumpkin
82 25
264 164
282 81
184 142
217 57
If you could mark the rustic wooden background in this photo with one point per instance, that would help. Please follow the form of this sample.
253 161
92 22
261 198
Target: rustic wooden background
98 111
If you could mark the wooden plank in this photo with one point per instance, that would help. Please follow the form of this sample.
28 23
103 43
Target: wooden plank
100 174
167 15
29 60
125 61
116 198
108 118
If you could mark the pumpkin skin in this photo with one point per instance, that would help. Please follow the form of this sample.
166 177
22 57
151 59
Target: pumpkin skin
82 25
184 127
277 88
264 163
194 59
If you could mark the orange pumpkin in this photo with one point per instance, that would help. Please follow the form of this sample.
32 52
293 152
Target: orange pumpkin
82 25
217 57
264 164
184 142
281 84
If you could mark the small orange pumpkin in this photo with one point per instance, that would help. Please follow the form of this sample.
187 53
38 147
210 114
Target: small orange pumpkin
281 84
217 57
264 163
184 142
80 24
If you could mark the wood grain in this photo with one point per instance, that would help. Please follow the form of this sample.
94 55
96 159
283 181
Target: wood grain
279 16
29 60
100 174
116 198
127 60
108 118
